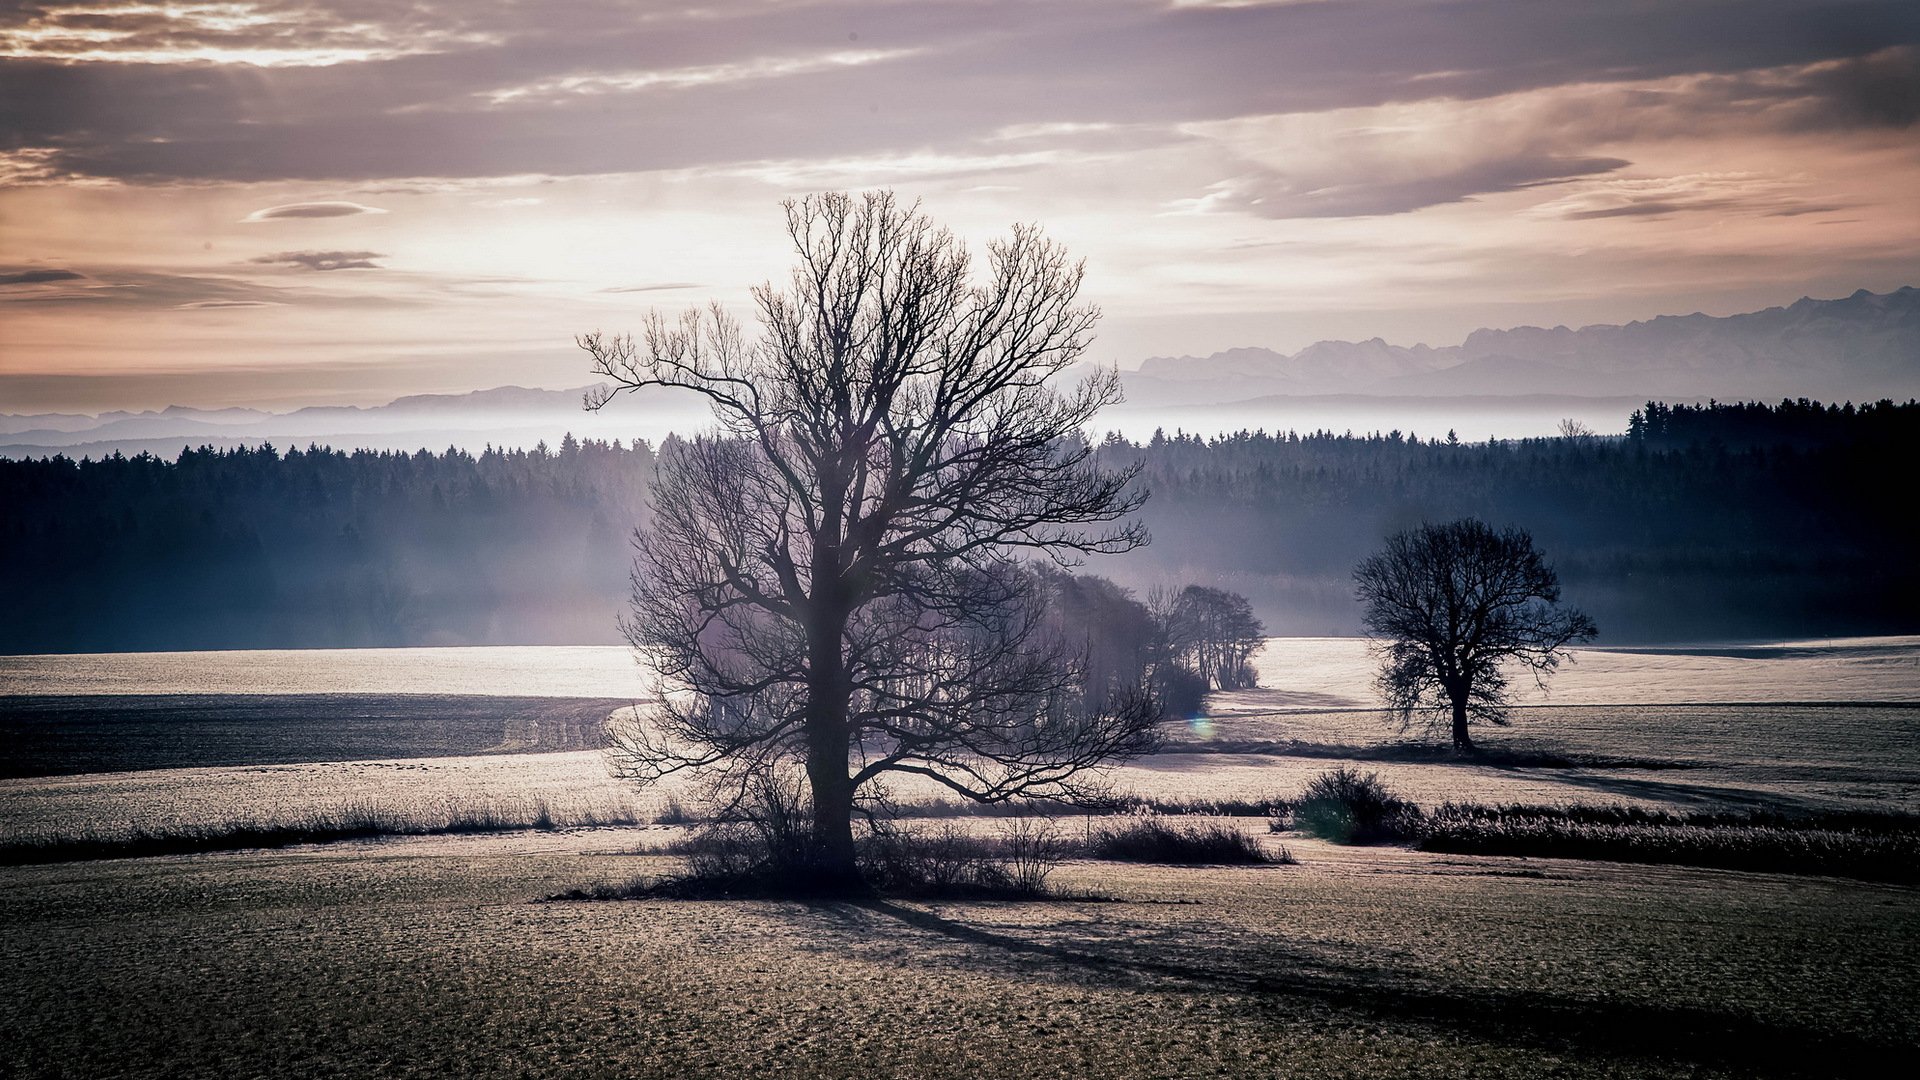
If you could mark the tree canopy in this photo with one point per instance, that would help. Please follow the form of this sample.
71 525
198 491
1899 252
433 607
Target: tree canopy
1453 607
832 576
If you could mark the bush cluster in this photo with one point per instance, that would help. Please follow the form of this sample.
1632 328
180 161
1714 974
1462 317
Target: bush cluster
1840 844
1153 839
747 858
1350 807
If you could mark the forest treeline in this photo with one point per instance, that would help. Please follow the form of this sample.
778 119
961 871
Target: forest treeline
1721 521
252 548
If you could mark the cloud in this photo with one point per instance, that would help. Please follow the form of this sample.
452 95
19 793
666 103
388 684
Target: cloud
663 286
38 277
138 289
1664 196
1390 159
1275 196
310 210
501 89
260 33
203 305
322 260
142 289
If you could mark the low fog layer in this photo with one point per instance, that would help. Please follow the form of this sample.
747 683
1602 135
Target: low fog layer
1504 384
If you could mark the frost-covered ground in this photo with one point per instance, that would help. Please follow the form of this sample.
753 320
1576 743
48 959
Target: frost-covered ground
1326 673
433 958
1623 710
1311 672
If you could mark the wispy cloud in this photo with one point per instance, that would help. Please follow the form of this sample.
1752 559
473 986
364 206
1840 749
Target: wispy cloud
481 89
664 286
1661 197
1275 195
310 210
258 33
37 277
322 260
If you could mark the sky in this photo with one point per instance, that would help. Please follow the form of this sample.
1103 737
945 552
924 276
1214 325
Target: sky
276 204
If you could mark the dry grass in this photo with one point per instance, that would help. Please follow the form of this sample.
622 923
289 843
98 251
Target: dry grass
349 822
1153 839
1871 847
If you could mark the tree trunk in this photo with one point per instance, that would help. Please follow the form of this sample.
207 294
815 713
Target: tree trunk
832 804
827 745
1462 741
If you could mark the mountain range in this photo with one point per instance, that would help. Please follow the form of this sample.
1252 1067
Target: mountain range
1861 347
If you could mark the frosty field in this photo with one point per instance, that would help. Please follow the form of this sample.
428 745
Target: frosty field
437 955
1816 725
432 957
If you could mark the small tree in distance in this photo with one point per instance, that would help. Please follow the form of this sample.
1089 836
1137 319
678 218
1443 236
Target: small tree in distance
1212 632
831 580
1451 608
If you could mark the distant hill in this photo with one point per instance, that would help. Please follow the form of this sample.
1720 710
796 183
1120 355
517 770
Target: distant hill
1864 346
512 416
1860 348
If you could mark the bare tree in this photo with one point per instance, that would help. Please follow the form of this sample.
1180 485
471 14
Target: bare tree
831 577
1215 633
1451 607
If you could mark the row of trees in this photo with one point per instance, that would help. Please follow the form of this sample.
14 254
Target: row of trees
254 548
1703 539
1670 538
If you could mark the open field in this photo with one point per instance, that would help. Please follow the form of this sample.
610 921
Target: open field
1702 758
48 735
1311 672
430 957
435 955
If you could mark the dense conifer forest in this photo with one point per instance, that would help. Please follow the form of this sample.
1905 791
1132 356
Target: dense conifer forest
1721 521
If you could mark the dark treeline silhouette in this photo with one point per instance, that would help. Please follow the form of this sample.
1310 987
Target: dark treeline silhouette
252 548
1799 423
1710 522
1734 521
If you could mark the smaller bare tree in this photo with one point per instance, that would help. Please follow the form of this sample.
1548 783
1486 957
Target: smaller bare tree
1451 608
1213 633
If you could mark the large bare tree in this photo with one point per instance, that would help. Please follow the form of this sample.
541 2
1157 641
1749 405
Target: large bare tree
832 576
1453 607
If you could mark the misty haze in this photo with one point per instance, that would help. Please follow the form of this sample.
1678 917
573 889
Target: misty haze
851 539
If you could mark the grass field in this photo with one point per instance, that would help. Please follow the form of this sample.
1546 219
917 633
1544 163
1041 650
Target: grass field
436 954
433 957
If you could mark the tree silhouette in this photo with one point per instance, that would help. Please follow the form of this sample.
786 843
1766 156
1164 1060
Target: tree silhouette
831 576
1450 606
1213 633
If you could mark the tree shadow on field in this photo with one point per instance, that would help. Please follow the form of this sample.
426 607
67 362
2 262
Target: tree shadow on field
1270 970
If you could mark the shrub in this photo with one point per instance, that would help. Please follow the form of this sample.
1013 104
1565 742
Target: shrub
1030 850
1183 692
1154 840
1875 847
1350 807
737 859
362 821
673 812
